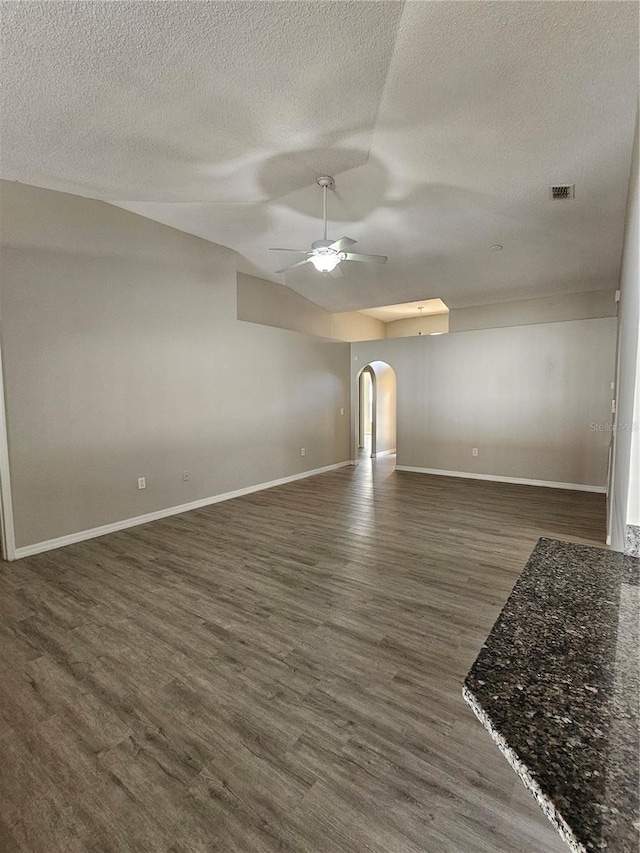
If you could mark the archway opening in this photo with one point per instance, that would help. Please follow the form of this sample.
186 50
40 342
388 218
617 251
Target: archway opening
377 410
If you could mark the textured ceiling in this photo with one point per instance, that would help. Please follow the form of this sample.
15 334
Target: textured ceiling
443 123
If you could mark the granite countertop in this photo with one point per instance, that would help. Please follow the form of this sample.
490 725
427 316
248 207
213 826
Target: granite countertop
556 684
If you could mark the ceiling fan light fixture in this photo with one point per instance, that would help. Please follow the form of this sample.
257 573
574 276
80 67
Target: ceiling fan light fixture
326 262
325 254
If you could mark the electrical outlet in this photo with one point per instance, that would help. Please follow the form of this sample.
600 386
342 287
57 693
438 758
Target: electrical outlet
342 411
185 476
142 482
303 451
474 452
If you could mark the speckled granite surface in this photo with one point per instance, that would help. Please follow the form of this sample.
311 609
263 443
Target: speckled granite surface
632 540
557 686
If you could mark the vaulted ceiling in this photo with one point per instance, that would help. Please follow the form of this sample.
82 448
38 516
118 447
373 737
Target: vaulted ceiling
443 124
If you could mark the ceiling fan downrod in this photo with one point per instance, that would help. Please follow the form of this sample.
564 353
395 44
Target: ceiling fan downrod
326 182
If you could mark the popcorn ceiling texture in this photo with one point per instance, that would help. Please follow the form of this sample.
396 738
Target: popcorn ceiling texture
443 124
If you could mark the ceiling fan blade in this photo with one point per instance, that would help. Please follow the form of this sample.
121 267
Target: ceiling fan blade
297 251
372 259
291 266
336 272
342 244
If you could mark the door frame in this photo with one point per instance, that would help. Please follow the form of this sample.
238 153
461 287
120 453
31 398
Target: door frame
374 399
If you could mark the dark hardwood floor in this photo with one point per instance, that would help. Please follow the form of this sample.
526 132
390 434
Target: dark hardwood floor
280 672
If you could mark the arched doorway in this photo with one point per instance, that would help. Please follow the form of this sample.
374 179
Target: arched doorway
377 409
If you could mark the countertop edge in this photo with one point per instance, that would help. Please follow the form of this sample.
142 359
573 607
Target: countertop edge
523 772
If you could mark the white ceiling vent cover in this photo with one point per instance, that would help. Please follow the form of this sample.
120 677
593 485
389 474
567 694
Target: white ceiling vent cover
558 192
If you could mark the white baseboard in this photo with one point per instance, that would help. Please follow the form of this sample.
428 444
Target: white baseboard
385 453
82 535
520 481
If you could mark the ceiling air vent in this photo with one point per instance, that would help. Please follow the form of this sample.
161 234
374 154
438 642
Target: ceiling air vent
562 191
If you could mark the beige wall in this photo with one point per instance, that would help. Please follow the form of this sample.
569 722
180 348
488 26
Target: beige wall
271 304
427 324
354 326
625 504
524 396
123 358
553 309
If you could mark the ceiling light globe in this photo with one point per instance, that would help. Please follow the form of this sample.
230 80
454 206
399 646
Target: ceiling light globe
325 263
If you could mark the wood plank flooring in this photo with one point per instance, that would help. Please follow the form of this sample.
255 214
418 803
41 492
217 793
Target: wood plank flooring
281 672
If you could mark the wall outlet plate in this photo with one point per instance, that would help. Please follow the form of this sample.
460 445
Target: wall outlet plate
142 482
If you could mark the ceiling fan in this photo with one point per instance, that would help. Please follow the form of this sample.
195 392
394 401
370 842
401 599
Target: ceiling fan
326 255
